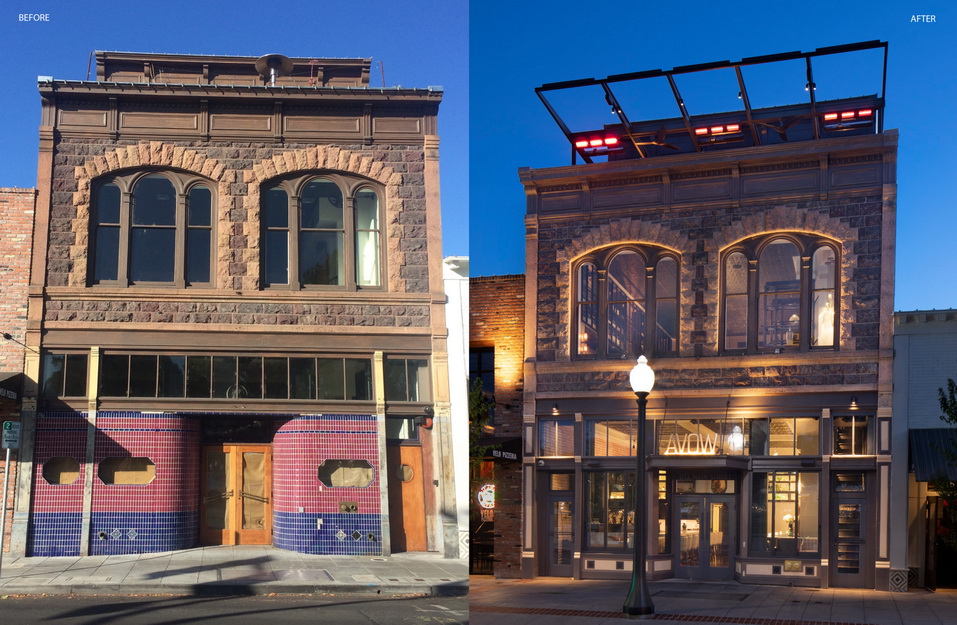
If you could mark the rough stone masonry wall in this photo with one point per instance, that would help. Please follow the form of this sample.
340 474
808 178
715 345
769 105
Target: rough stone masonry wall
497 317
699 236
237 171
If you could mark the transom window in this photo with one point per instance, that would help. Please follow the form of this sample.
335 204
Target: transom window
780 293
626 303
152 228
321 231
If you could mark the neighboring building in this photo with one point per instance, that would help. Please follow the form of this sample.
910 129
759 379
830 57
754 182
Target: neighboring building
925 357
236 306
750 256
16 244
456 272
497 358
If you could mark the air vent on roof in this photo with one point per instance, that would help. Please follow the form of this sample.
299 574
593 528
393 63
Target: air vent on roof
270 66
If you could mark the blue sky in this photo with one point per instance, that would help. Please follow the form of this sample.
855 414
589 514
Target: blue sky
516 47
420 42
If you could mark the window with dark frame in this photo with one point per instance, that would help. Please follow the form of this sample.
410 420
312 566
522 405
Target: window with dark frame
321 231
785 513
610 510
626 303
203 376
152 228
482 367
64 375
853 435
780 294
407 380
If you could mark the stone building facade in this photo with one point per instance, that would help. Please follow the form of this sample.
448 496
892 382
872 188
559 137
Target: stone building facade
250 272
497 355
16 243
759 283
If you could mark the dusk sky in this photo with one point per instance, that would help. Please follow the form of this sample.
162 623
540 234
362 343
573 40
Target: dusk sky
516 47
420 43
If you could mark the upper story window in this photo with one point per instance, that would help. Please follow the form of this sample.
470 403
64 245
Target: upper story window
152 229
626 303
321 231
780 293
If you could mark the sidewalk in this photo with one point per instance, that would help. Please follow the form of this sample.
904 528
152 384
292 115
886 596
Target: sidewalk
568 602
234 570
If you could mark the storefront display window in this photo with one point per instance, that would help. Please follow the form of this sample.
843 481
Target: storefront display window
610 511
785 517
556 438
610 438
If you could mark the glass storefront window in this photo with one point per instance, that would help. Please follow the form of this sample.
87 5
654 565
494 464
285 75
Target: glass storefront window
703 437
852 436
785 517
664 513
785 436
610 510
610 438
556 438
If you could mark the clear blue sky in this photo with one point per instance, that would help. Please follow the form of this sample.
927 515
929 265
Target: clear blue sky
421 43
517 46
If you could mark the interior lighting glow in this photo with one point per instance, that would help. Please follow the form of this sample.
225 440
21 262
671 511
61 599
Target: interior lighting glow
828 117
717 129
595 142
734 127
865 113
611 140
847 115
701 131
581 144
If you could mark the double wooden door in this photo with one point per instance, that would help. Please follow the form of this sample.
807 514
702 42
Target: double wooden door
236 495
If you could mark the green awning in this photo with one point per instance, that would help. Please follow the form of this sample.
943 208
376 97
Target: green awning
929 451
10 382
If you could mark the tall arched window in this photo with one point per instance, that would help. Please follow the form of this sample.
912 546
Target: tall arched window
152 229
619 292
320 232
780 293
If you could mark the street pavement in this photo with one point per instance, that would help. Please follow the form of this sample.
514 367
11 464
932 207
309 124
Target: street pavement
551 601
240 570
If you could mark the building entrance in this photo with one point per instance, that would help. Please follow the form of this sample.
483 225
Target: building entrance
407 498
236 491
851 558
560 534
705 525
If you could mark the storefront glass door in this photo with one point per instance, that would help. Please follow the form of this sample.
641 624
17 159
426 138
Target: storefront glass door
560 536
705 526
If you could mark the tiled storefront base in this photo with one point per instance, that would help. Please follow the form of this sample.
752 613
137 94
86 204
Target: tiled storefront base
114 533
163 515
55 534
331 534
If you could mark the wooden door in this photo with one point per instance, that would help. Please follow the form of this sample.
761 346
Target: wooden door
236 495
407 499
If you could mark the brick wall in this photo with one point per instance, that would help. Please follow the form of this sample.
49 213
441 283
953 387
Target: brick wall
16 244
496 319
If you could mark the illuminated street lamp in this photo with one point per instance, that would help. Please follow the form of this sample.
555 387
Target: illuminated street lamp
638 601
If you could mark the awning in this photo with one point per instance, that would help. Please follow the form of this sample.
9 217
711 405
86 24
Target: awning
10 382
927 455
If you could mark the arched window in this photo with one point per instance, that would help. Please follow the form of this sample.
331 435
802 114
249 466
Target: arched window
619 293
780 293
153 229
317 232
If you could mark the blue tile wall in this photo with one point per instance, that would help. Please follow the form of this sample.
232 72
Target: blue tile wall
55 534
114 533
340 534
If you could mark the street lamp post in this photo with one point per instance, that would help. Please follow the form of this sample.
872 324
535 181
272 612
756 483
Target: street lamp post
638 602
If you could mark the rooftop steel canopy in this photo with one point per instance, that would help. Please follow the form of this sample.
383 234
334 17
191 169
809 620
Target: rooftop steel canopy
746 127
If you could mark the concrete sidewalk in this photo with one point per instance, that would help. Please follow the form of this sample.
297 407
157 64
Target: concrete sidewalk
568 602
234 570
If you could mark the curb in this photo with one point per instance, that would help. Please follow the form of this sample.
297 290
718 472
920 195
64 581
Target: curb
454 589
